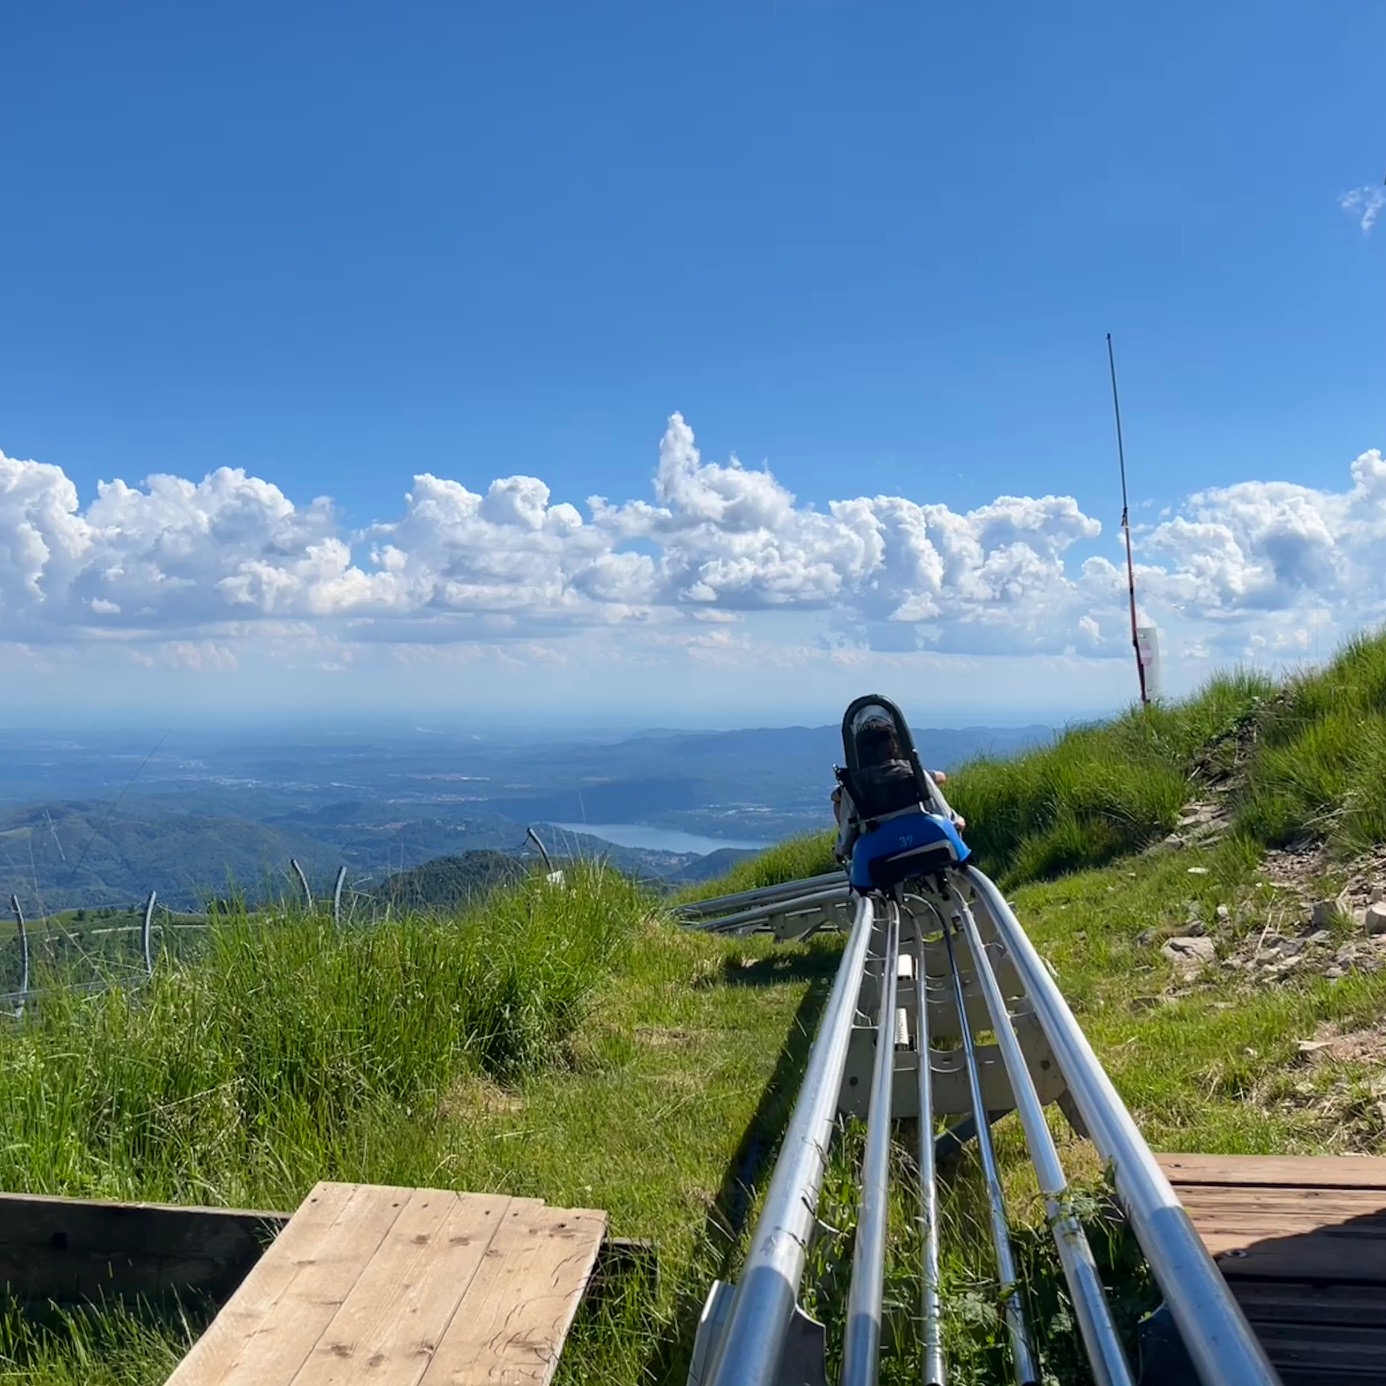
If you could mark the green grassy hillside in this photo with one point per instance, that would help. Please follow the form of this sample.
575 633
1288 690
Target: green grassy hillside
1302 762
448 884
82 853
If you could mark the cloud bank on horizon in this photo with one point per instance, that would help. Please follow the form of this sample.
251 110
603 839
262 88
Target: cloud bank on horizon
190 572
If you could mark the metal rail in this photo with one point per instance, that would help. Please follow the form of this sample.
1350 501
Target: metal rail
747 920
931 1308
862 1345
1224 1350
1084 1283
1022 1354
753 1345
747 899
976 969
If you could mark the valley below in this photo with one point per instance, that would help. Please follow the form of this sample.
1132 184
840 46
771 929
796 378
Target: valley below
101 819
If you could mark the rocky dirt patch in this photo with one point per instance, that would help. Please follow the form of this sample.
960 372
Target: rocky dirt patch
1366 1047
1357 1100
1190 956
663 1037
1202 824
479 1097
1270 955
1288 926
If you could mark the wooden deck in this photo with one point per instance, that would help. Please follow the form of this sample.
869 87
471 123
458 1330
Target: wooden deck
1301 1241
404 1287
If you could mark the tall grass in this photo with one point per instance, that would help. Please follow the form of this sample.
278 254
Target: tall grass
975 1334
106 1345
1099 792
1321 767
1305 762
290 1051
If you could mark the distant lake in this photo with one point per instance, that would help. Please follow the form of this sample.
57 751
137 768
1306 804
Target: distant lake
658 839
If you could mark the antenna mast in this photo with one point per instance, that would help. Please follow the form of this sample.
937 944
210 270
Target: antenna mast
1126 527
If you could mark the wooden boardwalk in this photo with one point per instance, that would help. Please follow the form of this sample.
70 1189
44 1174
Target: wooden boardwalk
404 1287
1301 1241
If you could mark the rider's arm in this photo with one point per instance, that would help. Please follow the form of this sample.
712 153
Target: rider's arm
942 805
845 811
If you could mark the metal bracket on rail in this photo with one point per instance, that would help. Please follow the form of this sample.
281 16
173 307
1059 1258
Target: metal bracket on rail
919 926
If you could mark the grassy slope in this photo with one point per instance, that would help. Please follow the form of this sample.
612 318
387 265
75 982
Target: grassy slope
648 1102
662 1099
1310 761
1217 1069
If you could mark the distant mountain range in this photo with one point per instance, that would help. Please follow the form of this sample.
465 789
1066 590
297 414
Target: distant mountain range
99 822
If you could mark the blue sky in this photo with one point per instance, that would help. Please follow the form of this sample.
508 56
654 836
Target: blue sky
875 248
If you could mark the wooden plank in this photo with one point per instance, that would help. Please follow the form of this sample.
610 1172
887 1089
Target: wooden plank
1332 1335
1336 1358
1312 1375
1294 1218
401 1286
73 1250
390 1324
1358 1338
1344 1260
306 1238
1285 1210
1300 1302
519 1307
290 1326
1298 1171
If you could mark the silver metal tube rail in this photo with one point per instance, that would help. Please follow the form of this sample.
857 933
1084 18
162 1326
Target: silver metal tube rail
792 904
932 1308
768 1289
1021 1353
1085 1284
861 1349
1224 1350
745 899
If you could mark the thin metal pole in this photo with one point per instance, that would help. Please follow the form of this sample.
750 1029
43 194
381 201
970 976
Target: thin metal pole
534 838
303 881
1025 1373
147 933
861 1350
23 948
337 897
768 1290
1084 1283
1224 1350
934 1372
1126 525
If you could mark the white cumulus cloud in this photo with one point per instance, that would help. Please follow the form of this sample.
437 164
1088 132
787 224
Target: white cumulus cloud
713 557
1365 204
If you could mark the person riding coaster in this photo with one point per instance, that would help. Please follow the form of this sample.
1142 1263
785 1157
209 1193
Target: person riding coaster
893 822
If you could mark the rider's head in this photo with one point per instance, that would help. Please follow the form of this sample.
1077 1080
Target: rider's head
877 742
